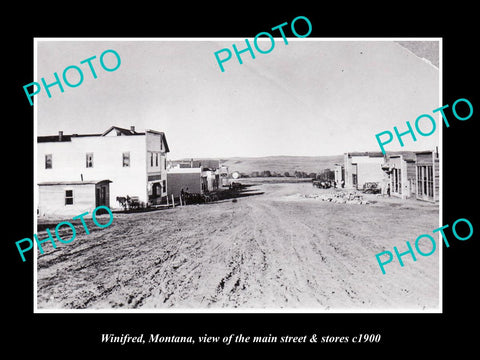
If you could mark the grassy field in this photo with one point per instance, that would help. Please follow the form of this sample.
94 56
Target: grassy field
281 164
274 250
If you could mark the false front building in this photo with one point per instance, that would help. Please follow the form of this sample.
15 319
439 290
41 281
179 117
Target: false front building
131 163
360 168
400 168
194 176
428 175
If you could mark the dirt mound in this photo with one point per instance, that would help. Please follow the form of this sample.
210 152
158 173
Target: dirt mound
339 197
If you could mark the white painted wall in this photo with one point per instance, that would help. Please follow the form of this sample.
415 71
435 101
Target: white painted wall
369 170
338 175
52 200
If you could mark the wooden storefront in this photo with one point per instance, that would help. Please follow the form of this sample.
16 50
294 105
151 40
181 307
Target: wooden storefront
427 174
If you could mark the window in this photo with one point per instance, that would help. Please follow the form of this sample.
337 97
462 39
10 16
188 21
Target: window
48 161
89 160
424 173
164 164
126 159
425 181
397 181
420 180
156 159
430 181
68 197
164 185
151 159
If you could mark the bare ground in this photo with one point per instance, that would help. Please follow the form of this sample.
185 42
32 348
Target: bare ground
275 250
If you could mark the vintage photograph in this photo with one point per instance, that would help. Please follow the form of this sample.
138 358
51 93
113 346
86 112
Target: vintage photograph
260 188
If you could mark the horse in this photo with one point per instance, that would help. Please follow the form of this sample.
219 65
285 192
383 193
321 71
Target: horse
122 201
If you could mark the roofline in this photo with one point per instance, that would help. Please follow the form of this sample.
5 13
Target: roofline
130 131
365 153
67 138
425 152
155 132
87 182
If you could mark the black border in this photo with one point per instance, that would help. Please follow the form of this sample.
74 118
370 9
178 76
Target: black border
62 334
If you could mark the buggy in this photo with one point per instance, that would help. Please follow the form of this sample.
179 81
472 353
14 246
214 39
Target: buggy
371 188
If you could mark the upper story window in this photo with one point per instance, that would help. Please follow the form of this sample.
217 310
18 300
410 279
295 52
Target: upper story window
156 159
48 161
126 159
89 160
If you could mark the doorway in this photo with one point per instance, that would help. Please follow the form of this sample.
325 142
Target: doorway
102 194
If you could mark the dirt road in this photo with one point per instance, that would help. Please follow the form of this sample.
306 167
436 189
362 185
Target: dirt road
270 251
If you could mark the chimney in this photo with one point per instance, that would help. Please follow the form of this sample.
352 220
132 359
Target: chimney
132 128
60 135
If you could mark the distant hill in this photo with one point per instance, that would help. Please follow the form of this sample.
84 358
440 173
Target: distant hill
281 164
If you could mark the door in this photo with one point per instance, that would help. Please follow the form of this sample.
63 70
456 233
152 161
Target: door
101 195
156 196
156 190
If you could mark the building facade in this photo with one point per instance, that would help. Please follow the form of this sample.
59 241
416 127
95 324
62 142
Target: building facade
428 176
134 163
339 172
72 198
194 175
223 172
186 179
401 171
362 167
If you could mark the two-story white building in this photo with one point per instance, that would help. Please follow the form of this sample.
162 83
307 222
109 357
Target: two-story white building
76 173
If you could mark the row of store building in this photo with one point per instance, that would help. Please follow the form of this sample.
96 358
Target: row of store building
79 172
404 174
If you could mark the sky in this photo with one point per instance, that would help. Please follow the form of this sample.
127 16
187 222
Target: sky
312 97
